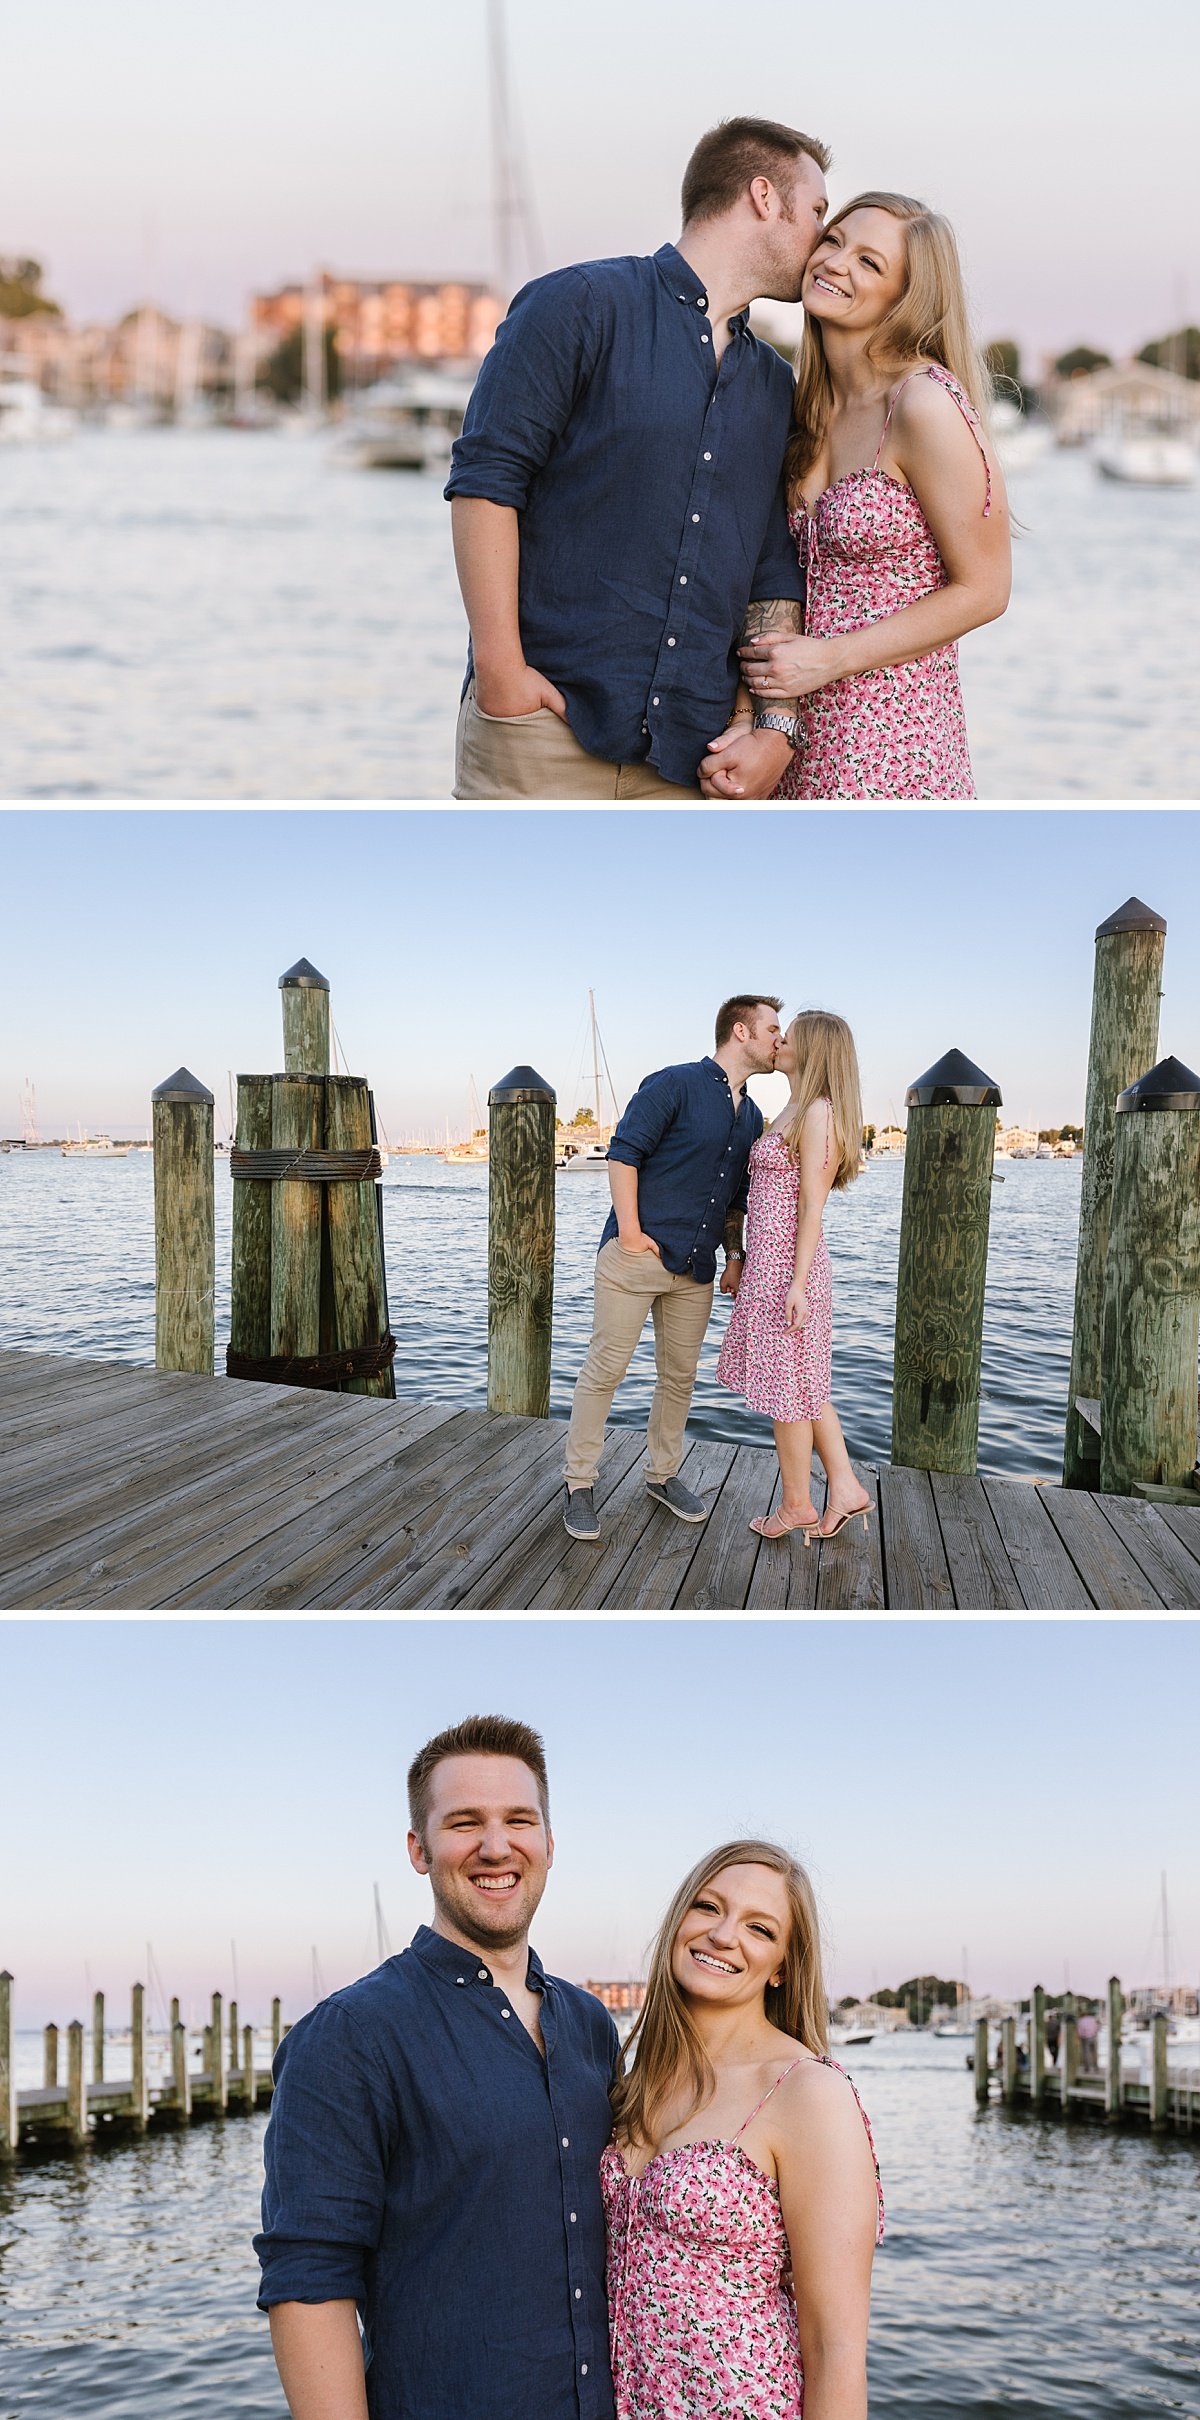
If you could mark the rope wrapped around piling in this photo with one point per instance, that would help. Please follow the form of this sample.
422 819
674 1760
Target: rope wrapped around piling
314 1369
306 1168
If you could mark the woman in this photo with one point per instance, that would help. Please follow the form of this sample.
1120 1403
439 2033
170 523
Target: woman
779 1343
897 505
740 2189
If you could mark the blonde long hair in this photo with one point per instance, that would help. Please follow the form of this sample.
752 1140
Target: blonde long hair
664 2037
827 1070
928 322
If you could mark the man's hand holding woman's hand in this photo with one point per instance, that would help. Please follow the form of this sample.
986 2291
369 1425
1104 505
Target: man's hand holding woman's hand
516 689
744 763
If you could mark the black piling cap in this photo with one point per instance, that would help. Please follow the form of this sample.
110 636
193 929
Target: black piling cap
303 977
1134 917
954 1082
1170 1085
521 1084
182 1086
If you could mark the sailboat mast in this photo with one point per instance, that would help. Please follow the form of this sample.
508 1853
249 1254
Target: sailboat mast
1166 1934
595 1054
503 195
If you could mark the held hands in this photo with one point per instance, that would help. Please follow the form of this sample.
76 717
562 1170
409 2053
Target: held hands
516 689
744 763
796 1306
788 666
731 1276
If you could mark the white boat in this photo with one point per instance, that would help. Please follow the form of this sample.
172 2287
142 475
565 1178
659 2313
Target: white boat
96 1147
1146 458
849 2037
406 423
594 1155
27 417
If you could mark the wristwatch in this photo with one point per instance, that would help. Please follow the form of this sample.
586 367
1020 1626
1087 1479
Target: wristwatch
772 720
733 1256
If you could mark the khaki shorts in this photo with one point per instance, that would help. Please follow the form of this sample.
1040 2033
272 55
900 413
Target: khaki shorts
538 756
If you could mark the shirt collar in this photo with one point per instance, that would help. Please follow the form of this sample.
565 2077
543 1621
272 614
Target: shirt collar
457 1965
681 280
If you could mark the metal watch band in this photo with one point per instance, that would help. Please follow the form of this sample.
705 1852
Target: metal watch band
772 720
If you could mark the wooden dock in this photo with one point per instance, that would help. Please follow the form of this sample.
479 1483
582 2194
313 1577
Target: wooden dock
127 1488
1112 2093
71 2111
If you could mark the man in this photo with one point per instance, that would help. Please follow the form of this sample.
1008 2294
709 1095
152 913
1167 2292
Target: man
432 2160
677 1174
617 499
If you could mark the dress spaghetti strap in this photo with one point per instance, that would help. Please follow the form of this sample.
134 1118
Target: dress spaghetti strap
766 2097
934 370
826 2061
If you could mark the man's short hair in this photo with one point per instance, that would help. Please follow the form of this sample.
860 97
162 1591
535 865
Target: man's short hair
479 1735
729 155
740 1011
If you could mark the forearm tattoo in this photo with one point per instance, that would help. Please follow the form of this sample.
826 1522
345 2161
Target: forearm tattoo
770 616
732 1238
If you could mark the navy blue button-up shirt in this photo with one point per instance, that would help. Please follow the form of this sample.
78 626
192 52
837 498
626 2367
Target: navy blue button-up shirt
426 2162
649 485
691 1149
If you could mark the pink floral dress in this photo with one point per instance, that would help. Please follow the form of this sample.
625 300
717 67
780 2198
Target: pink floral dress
702 2310
867 550
784 1372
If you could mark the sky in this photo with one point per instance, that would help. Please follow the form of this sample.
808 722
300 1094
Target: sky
461 943
227 1790
151 147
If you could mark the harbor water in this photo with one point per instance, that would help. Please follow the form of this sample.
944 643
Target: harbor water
225 614
77 1248
1030 2270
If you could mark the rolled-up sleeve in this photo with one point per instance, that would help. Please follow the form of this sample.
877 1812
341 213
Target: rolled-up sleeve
326 2154
526 390
777 572
646 1120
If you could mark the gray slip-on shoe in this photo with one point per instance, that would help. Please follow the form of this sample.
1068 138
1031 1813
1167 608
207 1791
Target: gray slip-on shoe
678 1499
579 1513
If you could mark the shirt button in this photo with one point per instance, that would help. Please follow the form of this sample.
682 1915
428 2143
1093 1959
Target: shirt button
574 2221
656 701
506 2012
670 642
695 516
708 457
683 579
482 1975
460 1978
704 340
583 2369
579 2293
566 2142
702 303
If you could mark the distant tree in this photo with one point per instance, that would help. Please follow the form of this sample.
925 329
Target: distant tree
21 290
868 1138
583 1117
282 373
1070 1134
1081 361
1180 352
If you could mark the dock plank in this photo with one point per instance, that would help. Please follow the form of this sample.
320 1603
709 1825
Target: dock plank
1113 1579
1046 1576
508 1580
509 1496
981 1574
850 1578
586 1579
1159 1554
667 1547
918 1575
719 1574
1184 1524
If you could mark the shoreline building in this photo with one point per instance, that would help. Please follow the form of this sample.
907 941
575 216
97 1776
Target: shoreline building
379 323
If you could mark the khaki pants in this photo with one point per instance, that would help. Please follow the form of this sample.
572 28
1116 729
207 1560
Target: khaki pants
538 756
628 1284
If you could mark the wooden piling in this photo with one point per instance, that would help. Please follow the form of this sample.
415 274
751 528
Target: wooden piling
184 1221
297 1106
98 2037
1008 2058
180 2076
8 2071
520 1243
305 1003
1112 2071
1037 2045
1126 988
234 2039
219 2070
77 2125
1159 2073
982 2078
249 2081
949 1149
1070 2047
140 2095
276 2025
1151 1329
355 1236
50 2058
250 1291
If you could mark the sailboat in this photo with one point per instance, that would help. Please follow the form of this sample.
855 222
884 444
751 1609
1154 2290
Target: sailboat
575 1158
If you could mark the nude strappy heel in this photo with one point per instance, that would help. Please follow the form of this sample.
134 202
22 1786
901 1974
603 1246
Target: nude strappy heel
857 1512
784 1526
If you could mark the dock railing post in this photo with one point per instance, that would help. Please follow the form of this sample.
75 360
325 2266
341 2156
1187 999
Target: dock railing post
982 2077
305 1004
50 2058
250 1265
141 2081
950 1146
184 1225
357 1279
98 2037
520 1243
1037 2045
276 2025
249 2081
1008 2059
1124 1039
220 2073
1112 2071
180 2077
1159 2072
297 1118
1152 1286
77 2125
8 2072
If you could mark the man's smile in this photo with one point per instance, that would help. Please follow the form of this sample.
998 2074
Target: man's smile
496 1884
